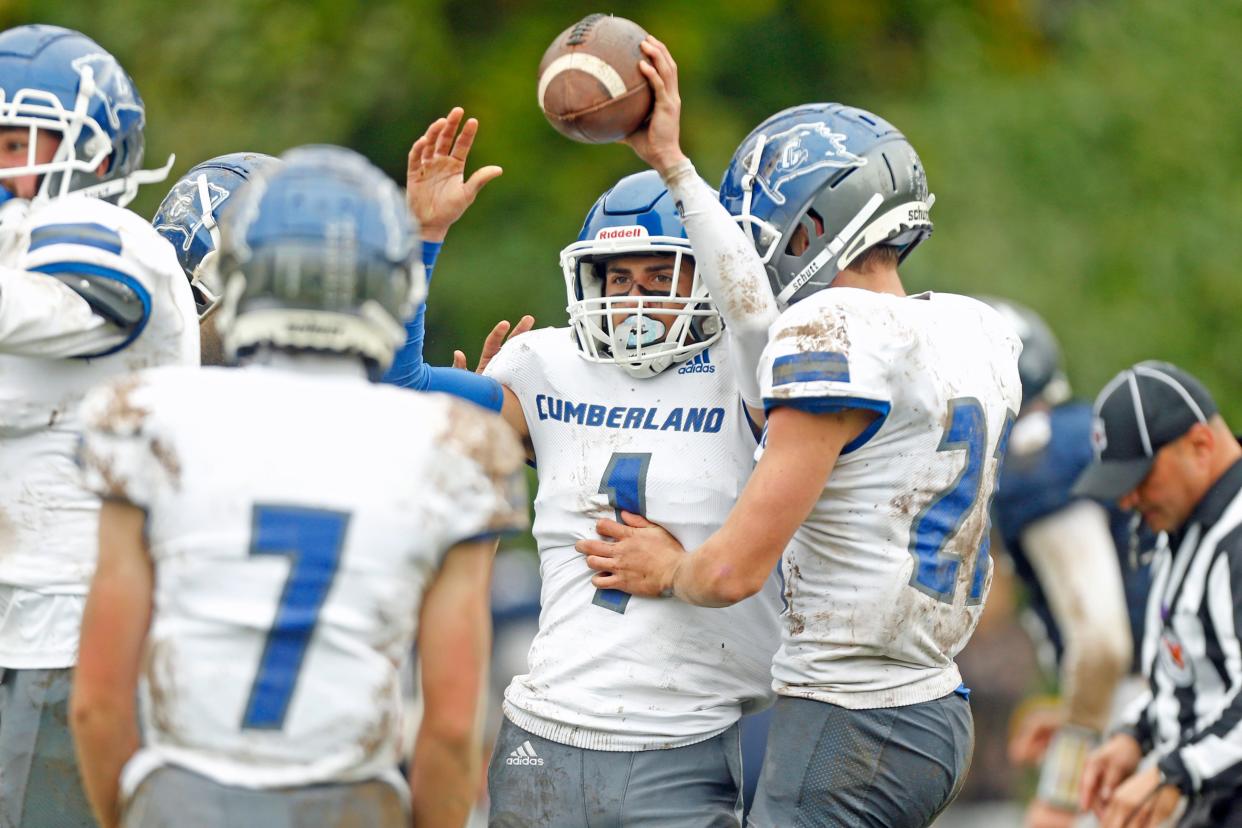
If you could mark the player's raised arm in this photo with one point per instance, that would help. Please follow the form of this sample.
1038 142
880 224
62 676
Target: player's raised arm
730 266
438 194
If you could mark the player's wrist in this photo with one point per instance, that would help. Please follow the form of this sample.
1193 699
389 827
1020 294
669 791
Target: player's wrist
668 589
673 166
433 233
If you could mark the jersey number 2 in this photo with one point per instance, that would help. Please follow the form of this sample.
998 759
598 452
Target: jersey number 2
625 483
935 568
312 540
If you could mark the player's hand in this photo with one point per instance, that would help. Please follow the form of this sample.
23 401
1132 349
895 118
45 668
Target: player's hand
641 559
1106 767
437 191
492 344
1141 802
1037 724
1040 814
658 142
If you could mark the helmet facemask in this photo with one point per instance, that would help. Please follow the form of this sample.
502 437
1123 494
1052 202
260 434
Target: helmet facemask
86 159
630 329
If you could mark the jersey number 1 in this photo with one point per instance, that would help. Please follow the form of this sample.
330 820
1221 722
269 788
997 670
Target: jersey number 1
312 540
625 483
935 568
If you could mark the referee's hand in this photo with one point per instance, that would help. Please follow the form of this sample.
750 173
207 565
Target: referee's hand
1107 766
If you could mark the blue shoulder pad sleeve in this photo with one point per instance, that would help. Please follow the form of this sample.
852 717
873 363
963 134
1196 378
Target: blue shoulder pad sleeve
475 388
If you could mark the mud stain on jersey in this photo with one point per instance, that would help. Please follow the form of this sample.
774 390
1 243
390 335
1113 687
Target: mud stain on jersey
487 440
122 415
828 332
386 725
168 460
744 296
158 667
113 485
797 623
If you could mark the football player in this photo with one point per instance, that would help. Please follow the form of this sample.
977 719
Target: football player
629 710
887 417
88 292
261 589
189 218
1070 553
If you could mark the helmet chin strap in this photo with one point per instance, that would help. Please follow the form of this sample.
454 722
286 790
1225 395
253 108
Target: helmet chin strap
639 332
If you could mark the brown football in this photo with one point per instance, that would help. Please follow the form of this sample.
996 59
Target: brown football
590 87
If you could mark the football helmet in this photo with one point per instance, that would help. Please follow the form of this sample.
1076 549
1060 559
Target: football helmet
61 81
1039 366
636 217
319 253
190 214
844 175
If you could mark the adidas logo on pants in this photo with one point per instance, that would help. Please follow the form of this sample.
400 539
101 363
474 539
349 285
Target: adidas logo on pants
524 755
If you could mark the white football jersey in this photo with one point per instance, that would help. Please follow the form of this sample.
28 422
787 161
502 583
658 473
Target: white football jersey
53 348
886 578
294 522
610 671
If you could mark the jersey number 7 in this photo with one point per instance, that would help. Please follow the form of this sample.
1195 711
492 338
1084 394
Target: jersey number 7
312 540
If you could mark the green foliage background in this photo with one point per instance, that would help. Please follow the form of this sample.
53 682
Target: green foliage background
1087 156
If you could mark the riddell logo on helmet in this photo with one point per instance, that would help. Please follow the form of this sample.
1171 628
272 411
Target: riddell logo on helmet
632 232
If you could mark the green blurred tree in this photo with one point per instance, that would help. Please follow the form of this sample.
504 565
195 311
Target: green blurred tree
1085 154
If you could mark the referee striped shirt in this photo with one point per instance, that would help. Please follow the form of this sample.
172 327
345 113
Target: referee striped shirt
1191 714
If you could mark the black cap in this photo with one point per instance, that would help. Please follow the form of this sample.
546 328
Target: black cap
1141 410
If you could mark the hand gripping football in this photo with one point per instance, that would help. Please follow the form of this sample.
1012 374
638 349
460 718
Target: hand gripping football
590 87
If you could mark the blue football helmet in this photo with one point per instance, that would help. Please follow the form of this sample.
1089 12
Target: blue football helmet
1039 366
189 216
848 178
319 253
637 217
62 82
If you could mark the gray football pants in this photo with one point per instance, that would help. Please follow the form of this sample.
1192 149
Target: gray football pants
891 767
173 797
39 782
697 786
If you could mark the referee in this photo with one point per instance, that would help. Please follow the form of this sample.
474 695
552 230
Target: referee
1163 450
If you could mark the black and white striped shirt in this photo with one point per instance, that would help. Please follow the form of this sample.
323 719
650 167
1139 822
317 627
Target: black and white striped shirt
1191 714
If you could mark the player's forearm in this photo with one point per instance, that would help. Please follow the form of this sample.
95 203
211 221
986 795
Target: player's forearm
445 776
731 269
105 734
1089 607
408 369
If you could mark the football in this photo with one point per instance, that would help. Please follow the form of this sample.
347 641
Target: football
590 87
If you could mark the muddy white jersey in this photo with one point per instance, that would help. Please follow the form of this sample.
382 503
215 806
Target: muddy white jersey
886 578
293 522
53 348
609 671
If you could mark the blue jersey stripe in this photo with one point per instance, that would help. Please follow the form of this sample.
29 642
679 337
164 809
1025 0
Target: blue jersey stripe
812 366
89 271
86 235
824 405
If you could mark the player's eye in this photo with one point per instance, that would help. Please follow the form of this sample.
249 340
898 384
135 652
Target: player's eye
13 145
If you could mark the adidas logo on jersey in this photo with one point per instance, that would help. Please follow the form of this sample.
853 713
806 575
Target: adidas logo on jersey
700 363
525 755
